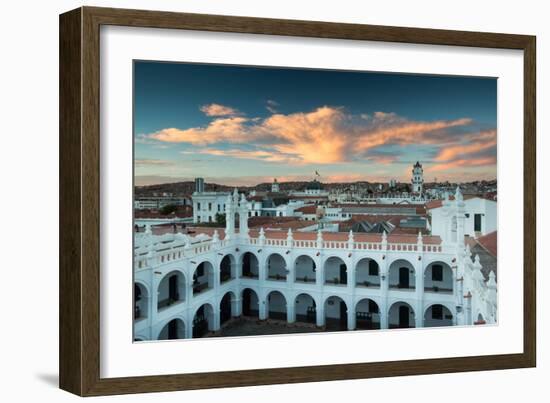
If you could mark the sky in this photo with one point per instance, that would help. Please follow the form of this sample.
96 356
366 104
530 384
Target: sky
243 125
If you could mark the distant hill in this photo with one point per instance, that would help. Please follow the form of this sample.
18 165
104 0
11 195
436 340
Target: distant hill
188 187
178 188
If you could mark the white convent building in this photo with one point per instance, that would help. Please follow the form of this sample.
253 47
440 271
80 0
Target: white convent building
190 285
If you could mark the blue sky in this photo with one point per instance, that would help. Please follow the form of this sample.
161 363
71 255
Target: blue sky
242 125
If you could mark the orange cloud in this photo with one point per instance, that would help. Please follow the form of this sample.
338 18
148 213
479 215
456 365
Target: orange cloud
326 135
465 163
484 141
218 110
315 136
253 155
222 129
405 132
149 162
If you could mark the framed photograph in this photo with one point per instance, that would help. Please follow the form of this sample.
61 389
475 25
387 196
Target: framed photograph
249 201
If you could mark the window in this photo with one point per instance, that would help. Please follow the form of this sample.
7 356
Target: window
437 312
219 208
477 222
209 206
198 206
437 272
373 268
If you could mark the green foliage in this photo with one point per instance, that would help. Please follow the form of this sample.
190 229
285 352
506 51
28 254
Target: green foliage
168 209
220 219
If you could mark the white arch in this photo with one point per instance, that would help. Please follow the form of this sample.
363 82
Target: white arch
145 286
169 271
427 263
268 303
325 268
445 304
232 266
286 269
241 262
166 321
312 275
379 263
373 299
400 301
403 259
200 306
363 277
298 293
342 297
266 259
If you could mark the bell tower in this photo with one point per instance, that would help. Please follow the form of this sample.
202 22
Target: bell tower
275 186
417 178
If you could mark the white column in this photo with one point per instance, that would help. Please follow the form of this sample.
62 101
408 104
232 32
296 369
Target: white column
262 270
291 270
290 311
419 285
154 297
320 311
384 287
236 307
350 266
319 272
351 317
216 325
217 275
262 309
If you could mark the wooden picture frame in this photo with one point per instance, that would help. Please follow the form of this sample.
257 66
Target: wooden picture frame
80 195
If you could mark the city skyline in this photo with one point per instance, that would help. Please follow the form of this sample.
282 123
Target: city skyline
240 126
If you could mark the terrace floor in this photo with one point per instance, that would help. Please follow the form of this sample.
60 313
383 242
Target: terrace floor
254 327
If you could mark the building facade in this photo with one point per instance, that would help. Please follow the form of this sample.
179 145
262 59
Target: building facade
206 205
188 286
158 202
480 217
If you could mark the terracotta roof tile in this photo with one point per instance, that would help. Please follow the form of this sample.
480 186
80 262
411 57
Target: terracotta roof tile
489 242
307 209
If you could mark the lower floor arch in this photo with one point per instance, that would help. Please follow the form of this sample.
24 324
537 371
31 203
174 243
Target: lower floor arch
401 316
250 303
336 314
306 308
228 307
437 315
276 306
367 315
173 330
203 321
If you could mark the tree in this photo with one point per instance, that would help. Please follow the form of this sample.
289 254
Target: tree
168 209
220 219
